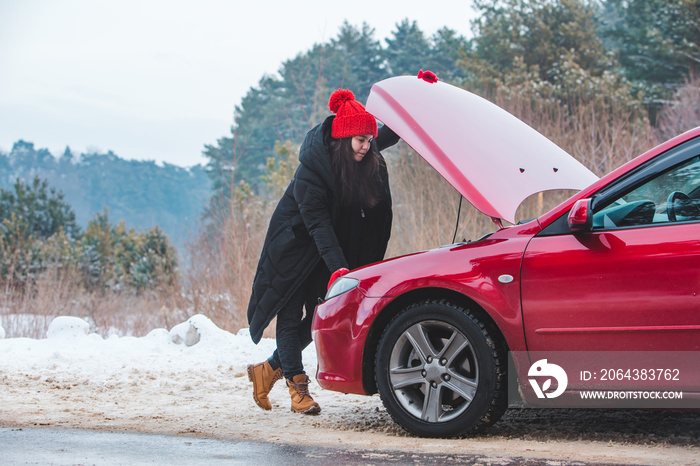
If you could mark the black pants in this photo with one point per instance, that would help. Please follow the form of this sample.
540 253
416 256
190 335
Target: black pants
294 326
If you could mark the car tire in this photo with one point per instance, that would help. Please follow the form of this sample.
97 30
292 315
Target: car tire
441 371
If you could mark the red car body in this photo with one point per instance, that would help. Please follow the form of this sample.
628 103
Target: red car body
545 285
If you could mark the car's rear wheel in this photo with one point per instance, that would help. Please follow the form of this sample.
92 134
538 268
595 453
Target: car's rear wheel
441 371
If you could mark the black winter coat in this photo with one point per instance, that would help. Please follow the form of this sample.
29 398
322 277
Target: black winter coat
302 231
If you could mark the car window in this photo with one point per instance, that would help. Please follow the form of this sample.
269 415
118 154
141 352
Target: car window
672 196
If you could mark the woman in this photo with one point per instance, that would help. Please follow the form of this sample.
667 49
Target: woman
334 216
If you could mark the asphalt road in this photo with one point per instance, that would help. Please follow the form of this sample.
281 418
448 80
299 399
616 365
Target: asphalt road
50 446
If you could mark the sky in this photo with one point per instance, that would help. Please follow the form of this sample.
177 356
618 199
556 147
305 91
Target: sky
159 79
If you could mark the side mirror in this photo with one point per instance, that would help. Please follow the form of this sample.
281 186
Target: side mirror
580 216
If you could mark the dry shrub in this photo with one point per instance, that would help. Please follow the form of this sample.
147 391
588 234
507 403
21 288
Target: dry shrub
683 113
425 206
602 133
222 264
224 258
28 312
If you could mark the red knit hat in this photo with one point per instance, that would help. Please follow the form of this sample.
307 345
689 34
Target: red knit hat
351 118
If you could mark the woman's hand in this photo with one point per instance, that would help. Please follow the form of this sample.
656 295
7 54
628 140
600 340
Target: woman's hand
336 275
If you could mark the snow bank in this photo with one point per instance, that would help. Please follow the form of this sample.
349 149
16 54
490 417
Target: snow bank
198 329
162 358
66 327
2 332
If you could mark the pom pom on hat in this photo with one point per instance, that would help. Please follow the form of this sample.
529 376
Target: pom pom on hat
351 118
338 98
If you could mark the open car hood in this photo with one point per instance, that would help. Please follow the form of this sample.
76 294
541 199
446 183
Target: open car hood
492 158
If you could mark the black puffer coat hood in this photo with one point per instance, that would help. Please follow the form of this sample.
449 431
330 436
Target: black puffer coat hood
301 231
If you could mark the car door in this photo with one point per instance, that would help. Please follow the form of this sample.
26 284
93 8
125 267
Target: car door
631 283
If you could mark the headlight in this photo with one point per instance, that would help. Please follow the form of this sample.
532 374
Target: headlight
340 286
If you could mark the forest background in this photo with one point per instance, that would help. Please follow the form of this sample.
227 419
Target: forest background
132 245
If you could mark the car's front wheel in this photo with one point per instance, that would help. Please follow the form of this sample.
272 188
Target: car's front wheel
441 371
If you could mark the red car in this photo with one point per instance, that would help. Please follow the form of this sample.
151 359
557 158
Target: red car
614 269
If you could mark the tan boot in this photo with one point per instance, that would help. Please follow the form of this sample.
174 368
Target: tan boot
301 400
263 377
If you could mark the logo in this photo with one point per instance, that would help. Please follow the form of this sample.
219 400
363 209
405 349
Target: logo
542 368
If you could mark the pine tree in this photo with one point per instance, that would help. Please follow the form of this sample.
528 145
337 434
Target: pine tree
658 42
30 215
43 212
446 51
541 37
408 50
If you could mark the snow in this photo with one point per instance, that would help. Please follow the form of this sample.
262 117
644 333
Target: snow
67 327
70 352
192 380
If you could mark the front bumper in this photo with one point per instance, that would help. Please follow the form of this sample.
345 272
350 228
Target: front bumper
339 331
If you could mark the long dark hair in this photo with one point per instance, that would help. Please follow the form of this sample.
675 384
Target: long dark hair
356 180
